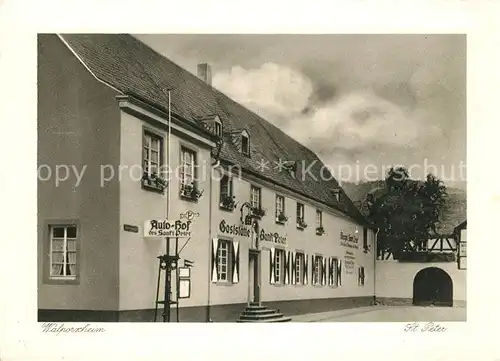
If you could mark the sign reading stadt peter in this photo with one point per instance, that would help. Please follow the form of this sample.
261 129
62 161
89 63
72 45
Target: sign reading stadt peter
167 228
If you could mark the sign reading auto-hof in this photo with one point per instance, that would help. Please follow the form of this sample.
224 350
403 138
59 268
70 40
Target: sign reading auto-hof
167 228
349 240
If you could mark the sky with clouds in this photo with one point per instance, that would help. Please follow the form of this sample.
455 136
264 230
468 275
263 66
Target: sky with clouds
363 101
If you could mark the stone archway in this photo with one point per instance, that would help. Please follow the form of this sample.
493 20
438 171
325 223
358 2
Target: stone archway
432 286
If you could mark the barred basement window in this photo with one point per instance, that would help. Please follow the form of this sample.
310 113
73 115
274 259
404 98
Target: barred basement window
63 252
299 268
223 257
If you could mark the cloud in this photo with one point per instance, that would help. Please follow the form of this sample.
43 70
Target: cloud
273 91
352 123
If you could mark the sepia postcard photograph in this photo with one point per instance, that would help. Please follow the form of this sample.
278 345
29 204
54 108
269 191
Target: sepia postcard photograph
251 178
175 170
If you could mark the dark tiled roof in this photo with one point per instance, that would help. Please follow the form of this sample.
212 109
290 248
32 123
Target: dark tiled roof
133 68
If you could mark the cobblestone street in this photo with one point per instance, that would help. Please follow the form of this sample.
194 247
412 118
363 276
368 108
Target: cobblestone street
388 314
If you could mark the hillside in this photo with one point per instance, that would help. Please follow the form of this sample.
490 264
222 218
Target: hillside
455 209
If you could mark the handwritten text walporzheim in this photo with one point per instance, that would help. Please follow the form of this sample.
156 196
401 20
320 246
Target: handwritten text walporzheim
58 328
427 327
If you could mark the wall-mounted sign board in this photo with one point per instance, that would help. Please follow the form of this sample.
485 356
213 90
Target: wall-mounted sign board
167 228
130 228
184 272
184 288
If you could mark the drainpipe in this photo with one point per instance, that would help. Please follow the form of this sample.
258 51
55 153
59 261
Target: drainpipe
214 165
375 242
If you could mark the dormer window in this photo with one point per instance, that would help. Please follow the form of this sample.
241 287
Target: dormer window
213 124
245 143
218 129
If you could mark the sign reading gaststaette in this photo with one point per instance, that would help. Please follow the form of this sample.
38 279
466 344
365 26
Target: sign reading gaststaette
167 228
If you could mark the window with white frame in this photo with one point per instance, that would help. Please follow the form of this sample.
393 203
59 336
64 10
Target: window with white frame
226 187
152 153
224 261
319 219
317 270
299 267
280 205
300 212
255 193
188 166
361 276
279 261
63 252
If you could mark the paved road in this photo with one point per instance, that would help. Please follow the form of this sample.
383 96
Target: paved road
388 314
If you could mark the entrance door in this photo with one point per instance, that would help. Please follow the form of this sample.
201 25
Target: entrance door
432 286
253 277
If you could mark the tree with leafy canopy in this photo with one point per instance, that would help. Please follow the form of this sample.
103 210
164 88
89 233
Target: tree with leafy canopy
407 212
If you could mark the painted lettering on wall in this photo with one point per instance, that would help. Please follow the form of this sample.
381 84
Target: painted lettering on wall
271 237
349 262
349 240
167 228
235 230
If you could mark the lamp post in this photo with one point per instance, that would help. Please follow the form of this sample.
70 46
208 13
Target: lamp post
252 220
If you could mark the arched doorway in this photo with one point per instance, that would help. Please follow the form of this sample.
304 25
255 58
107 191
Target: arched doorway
432 286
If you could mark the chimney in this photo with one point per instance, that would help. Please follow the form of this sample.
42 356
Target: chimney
205 73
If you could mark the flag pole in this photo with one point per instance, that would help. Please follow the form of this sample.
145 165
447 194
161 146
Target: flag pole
168 288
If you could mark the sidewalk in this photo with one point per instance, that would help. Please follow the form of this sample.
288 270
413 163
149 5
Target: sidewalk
322 316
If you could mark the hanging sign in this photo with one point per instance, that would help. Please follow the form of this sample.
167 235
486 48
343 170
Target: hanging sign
167 228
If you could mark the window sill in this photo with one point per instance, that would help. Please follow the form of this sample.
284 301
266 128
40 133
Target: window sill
55 281
282 223
224 284
226 209
278 285
188 199
300 228
152 188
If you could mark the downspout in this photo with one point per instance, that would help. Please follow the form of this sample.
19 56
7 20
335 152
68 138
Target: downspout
214 165
375 242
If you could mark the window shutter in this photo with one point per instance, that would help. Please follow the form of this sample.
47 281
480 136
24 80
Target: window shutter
236 262
292 264
323 272
306 269
215 247
339 272
287 267
330 270
271 265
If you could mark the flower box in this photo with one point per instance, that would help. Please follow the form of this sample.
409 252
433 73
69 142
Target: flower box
191 192
258 212
320 231
301 224
228 203
154 181
281 218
